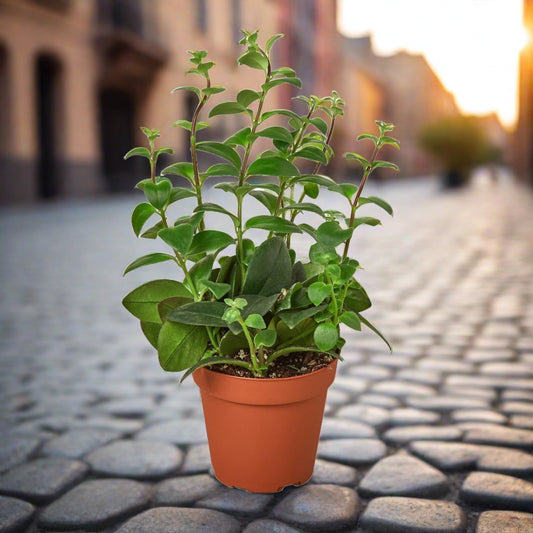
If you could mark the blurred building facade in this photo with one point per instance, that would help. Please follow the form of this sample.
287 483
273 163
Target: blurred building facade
523 139
77 79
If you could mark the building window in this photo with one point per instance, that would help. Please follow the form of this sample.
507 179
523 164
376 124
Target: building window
201 15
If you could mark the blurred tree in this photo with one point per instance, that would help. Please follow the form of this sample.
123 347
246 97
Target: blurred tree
460 144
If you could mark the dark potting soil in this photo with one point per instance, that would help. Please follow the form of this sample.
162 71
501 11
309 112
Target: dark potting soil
288 366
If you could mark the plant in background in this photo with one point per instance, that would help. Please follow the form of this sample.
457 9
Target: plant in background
244 306
459 144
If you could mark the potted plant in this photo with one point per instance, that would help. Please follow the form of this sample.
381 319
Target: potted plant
257 327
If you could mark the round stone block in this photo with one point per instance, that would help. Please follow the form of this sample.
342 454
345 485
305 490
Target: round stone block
403 475
135 459
412 515
497 490
180 520
508 521
14 514
96 504
319 507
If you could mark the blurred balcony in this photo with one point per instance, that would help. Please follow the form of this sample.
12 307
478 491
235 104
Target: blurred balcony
129 45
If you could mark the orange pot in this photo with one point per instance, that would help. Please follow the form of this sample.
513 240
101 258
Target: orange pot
263 433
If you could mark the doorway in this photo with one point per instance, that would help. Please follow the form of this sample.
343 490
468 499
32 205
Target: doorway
47 79
117 136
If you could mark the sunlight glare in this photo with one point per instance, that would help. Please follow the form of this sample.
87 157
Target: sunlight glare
473 45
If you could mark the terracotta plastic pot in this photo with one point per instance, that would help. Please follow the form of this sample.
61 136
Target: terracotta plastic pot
263 433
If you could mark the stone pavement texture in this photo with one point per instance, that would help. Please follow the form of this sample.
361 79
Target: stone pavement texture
434 438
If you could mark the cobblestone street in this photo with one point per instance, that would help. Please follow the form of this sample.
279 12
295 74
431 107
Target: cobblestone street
436 437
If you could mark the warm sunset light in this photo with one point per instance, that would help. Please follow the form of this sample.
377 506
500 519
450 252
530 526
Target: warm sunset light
473 45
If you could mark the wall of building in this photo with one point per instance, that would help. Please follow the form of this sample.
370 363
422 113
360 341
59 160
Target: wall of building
523 137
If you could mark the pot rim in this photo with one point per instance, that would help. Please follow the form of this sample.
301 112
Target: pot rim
267 391
268 380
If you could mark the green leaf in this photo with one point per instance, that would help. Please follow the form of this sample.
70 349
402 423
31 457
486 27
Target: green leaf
221 150
253 59
311 190
217 289
151 233
279 81
158 193
151 332
319 124
140 150
369 221
231 344
293 317
348 190
326 336
377 201
187 125
272 223
140 215
183 169
272 40
247 96
267 199
288 72
199 314
373 138
255 321
351 319
215 208
317 179
301 334
178 237
209 91
227 108
270 269
221 169
357 299
149 259
313 154
331 234
384 164
143 301
272 166
375 330
195 90
208 241
277 112
180 346
318 292
208 361
179 193
255 304
168 304
276 132
323 255
305 206
307 228
201 271
267 338
391 140
239 138
364 162
163 150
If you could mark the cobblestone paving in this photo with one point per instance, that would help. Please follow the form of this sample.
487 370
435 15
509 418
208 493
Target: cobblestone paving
434 438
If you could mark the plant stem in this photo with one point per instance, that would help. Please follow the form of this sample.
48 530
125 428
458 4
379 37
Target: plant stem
251 345
366 173
194 155
242 173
